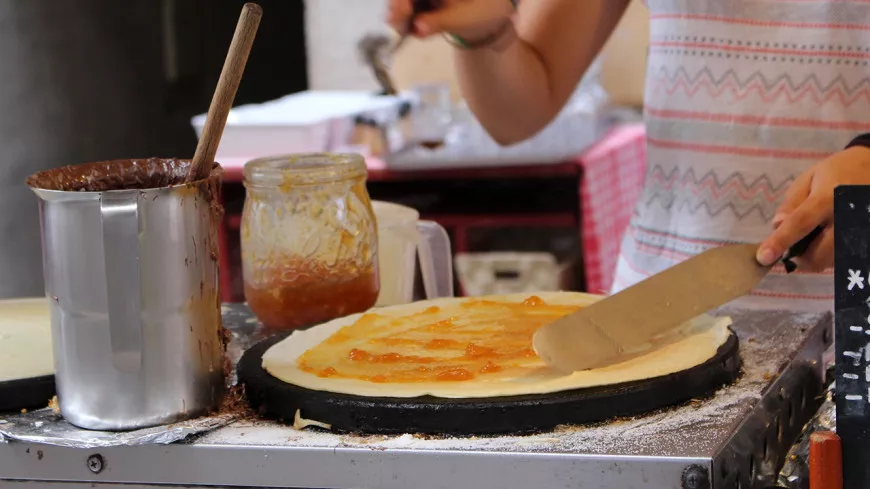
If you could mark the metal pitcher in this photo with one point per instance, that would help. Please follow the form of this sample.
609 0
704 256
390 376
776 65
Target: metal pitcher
130 257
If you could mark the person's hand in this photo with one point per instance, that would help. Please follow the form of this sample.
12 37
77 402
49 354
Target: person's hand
809 203
469 19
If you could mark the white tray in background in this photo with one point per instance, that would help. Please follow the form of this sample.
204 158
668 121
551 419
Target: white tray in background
303 122
468 145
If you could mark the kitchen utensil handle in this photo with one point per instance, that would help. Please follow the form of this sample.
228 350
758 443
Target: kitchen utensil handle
120 219
434 248
225 92
799 249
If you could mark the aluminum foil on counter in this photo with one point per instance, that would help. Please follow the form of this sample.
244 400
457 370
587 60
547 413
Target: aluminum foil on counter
47 427
795 472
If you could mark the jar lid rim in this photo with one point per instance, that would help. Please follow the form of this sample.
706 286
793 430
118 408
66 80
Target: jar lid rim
305 168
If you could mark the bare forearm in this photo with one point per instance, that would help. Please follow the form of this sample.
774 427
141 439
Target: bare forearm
517 90
510 105
509 92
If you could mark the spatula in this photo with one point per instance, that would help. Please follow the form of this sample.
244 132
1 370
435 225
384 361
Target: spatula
630 322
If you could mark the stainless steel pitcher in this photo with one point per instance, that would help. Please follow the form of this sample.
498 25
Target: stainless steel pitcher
132 280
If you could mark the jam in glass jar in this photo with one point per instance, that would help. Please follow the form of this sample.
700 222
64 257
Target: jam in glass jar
309 239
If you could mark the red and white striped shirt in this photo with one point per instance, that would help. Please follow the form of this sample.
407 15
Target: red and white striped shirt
741 97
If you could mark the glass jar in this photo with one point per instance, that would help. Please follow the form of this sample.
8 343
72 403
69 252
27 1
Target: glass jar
431 117
309 239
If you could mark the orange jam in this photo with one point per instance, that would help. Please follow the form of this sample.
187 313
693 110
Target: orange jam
476 339
303 293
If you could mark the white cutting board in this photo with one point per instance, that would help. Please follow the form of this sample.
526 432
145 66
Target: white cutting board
25 339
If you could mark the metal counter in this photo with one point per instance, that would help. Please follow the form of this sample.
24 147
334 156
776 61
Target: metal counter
737 438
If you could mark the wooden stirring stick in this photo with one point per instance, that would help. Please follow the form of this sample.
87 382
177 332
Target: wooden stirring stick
225 92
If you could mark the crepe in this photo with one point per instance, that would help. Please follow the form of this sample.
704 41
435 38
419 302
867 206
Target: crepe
25 339
420 349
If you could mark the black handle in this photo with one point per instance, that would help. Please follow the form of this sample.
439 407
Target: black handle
799 249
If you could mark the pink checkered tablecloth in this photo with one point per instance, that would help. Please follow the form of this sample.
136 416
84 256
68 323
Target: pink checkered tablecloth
612 181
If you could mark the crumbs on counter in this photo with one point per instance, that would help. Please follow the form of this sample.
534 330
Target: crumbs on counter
54 405
236 403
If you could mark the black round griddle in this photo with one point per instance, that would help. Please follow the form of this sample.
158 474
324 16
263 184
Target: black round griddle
32 393
275 399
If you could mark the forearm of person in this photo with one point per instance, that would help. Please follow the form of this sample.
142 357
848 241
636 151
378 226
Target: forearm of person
517 90
510 92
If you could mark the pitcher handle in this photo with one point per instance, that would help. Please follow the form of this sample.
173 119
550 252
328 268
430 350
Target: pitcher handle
436 260
120 218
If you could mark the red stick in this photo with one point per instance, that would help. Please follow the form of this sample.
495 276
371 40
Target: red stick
826 461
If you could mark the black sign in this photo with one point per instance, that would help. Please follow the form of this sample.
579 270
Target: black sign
852 330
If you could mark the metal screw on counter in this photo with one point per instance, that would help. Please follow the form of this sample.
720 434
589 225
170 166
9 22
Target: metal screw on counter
95 463
696 477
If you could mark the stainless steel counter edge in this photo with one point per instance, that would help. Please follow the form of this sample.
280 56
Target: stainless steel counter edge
756 450
185 465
